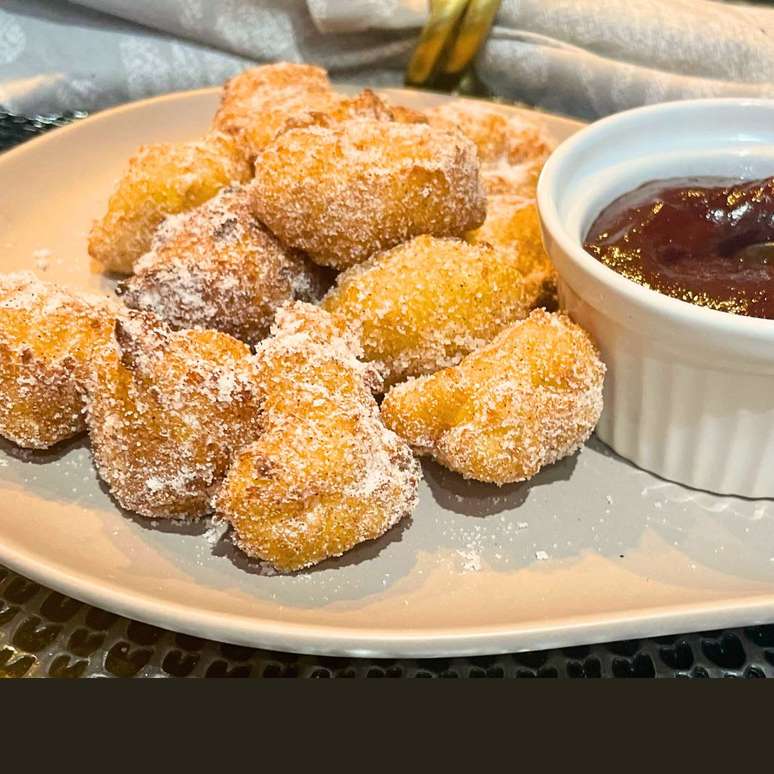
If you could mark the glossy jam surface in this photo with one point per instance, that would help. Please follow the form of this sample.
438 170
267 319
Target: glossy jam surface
685 237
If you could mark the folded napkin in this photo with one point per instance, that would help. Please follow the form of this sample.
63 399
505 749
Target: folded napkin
585 58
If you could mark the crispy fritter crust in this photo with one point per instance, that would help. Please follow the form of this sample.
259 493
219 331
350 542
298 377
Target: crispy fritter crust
512 149
498 135
48 336
530 397
325 474
162 180
512 225
218 267
256 104
262 102
343 192
166 411
425 304
364 106
512 179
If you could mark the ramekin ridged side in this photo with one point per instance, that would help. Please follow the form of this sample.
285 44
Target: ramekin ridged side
677 419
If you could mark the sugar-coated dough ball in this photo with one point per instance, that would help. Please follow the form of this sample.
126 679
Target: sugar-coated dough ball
426 303
257 103
166 412
530 397
325 473
512 148
343 192
48 337
161 180
512 225
216 266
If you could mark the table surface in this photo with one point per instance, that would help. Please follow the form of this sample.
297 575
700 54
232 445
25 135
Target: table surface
43 633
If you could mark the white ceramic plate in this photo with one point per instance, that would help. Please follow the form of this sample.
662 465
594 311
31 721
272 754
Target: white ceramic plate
591 550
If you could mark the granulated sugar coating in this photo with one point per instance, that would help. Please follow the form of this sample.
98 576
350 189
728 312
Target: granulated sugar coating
530 397
217 267
343 192
162 180
325 474
498 136
364 106
512 179
512 224
48 336
425 304
166 412
512 149
257 103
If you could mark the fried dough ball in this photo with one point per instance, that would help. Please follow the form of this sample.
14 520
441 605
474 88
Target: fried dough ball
530 397
497 135
161 180
166 411
426 303
512 224
48 335
343 192
257 103
512 149
325 473
364 106
518 180
262 102
217 267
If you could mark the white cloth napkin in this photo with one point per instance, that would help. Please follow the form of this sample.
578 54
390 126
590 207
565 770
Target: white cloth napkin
580 57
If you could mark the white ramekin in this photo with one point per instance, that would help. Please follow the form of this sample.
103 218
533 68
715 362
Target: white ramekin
689 393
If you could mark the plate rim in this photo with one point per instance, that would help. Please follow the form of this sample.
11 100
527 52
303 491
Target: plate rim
337 640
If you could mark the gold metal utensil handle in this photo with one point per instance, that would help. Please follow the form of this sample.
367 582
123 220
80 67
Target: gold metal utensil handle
450 40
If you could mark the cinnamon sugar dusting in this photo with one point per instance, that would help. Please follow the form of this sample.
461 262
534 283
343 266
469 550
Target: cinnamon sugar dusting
427 303
530 397
342 193
160 180
325 474
257 103
499 136
218 267
512 149
48 336
166 412
512 225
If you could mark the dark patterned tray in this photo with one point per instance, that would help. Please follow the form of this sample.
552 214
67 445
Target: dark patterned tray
43 633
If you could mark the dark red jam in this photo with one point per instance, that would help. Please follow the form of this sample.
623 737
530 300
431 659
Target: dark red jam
700 239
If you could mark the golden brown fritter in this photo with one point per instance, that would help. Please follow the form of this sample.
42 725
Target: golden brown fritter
512 179
512 224
512 149
364 106
341 193
218 267
530 397
426 303
499 136
161 180
48 336
256 104
325 473
166 411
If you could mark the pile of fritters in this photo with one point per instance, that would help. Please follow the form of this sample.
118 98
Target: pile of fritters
312 251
